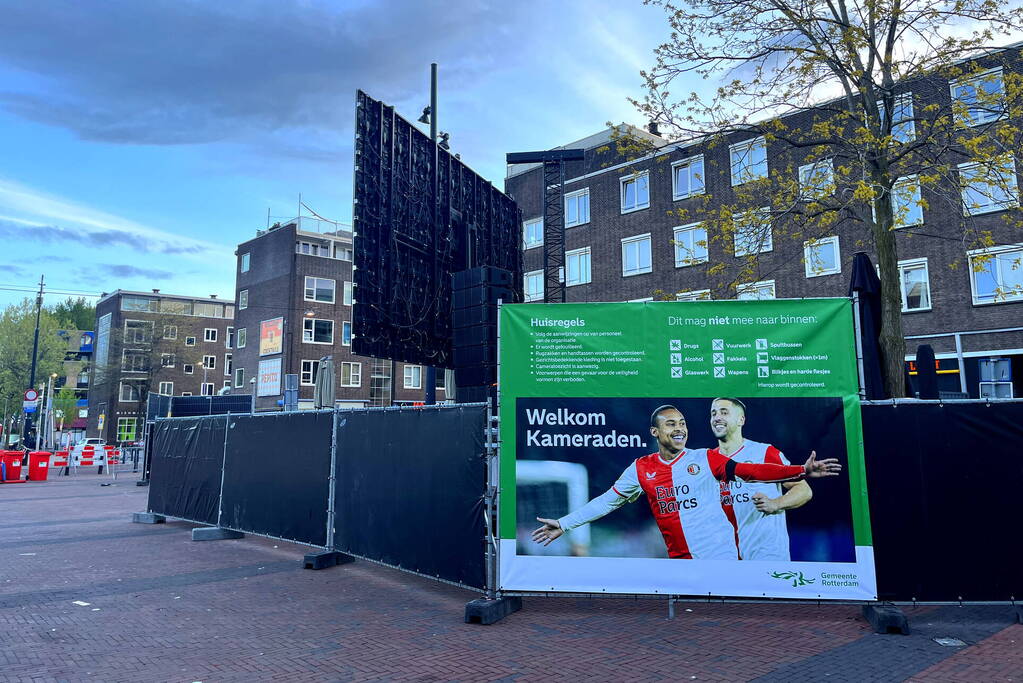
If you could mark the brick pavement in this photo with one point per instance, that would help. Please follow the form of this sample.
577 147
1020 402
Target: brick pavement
162 608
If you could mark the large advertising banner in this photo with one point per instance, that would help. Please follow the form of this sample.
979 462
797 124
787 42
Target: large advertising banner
271 336
269 382
698 448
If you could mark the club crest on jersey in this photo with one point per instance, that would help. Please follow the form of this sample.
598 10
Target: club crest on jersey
651 475
693 469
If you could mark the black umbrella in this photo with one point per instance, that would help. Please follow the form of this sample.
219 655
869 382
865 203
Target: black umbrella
865 281
926 372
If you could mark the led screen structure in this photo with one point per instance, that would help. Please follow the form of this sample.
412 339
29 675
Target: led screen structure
414 228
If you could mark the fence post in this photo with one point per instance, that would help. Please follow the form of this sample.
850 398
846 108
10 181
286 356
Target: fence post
223 469
332 480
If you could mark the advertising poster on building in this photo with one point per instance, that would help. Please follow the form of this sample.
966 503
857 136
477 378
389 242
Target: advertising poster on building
271 336
269 382
662 447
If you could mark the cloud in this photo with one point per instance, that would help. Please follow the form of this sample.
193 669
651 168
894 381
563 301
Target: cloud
51 234
125 270
169 72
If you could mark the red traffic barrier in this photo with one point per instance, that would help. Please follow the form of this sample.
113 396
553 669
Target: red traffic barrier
60 459
10 466
38 465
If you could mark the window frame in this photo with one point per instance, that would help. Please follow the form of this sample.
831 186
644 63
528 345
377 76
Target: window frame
354 374
188 368
315 278
527 298
766 246
147 337
228 364
972 79
638 239
693 295
203 388
739 178
164 384
174 332
580 252
824 167
347 293
310 368
690 228
815 244
911 264
526 243
207 337
907 123
413 380
193 341
133 389
575 195
208 366
243 299
312 330
914 204
755 287
634 178
127 429
688 163
1011 203
244 262
993 252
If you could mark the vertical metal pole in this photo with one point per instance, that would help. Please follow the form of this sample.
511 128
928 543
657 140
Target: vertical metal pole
962 363
27 424
859 345
430 392
332 481
223 469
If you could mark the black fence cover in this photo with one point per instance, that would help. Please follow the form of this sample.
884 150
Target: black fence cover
409 489
185 470
944 483
189 406
277 475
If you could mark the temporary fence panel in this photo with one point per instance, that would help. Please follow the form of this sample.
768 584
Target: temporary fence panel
943 502
187 463
409 487
277 475
189 406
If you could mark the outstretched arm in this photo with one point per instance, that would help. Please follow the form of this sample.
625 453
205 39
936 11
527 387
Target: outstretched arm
727 469
552 529
797 494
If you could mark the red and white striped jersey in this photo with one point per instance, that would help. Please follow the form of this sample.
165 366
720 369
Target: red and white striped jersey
761 536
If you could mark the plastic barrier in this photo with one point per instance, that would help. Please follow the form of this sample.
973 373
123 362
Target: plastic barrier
86 458
60 459
38 465
10 466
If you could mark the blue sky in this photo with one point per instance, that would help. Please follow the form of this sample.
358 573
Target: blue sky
142 141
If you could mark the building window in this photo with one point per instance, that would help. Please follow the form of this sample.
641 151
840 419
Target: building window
636 255
167 360
753 233
903 128
915 285
577 264
995 378
242 337
748 160
440 383
209 362
532 285
83 377
186 393
167 388
755 291
346 333
129 392
316 331
170 331
577 208
693 295
342 253
979 98
244 263
532 233
347 300
208 309
228 364
207 389
229 341
319 289
687 177
690 245
229 312
134 360
988 187
243 299
239 377
138 303
635 191
126 430
821 257
188 368
997 274
189 341
209 334
817 180
138 331
351 374
907 206
309 370
413 376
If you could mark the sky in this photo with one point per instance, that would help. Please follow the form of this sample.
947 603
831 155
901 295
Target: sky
140 142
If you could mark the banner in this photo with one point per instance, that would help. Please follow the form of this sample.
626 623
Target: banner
271 336
269 382
658 447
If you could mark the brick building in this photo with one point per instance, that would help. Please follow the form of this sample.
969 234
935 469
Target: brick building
295 296
75 375
625 241
154 342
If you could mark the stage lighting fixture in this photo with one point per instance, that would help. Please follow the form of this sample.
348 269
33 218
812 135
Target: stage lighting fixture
444 137
425 118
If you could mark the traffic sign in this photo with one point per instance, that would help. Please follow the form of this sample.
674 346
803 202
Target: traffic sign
31 394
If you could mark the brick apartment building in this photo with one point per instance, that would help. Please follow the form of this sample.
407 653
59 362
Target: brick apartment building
154 342
295 298
624 240
74 374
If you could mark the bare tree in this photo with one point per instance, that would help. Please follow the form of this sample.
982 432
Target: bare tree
824 83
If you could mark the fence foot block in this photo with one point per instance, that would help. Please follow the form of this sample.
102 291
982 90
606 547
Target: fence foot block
886 619
214 533
142 482
486 612
1019 614
147 518
325 559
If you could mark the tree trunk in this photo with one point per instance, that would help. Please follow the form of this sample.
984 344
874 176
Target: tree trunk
893 344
